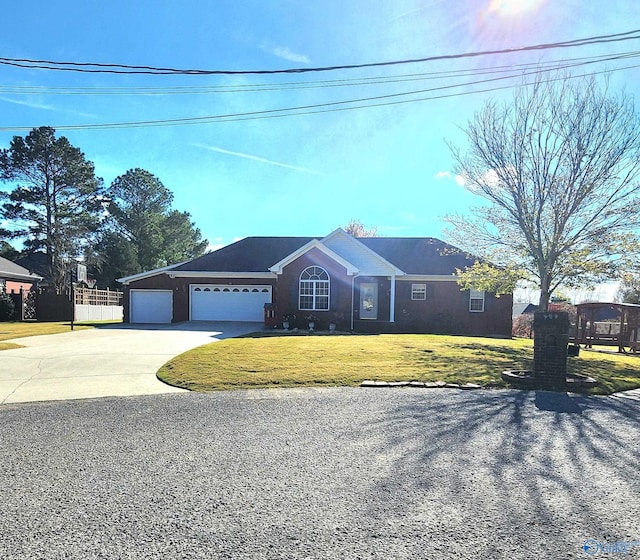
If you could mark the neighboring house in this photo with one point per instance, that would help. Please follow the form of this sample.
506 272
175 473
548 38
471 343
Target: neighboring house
14 277
520 308
368 285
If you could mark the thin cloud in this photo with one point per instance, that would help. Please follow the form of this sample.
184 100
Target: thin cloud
34 105
258 159
287 54
407 13
459 179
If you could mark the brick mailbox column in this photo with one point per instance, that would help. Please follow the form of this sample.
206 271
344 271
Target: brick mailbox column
551 338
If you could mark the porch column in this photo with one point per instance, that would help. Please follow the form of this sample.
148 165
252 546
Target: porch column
392 300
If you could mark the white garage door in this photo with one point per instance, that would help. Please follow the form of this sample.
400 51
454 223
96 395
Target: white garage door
151 306
228 303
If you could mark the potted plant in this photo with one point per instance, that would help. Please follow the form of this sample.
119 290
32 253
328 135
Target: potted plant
287 319
311 319
336 316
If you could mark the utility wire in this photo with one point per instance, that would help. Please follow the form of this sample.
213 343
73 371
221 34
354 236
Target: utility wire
94 67
351 82
380 101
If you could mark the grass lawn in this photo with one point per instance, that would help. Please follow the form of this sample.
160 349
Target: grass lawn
267 360
10 330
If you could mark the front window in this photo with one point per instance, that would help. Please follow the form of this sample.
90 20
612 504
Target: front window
314 289
476 301
418 291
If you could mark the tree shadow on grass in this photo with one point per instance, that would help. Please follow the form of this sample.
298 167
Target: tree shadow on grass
514 474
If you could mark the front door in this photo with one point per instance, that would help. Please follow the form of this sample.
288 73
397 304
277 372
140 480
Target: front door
369 300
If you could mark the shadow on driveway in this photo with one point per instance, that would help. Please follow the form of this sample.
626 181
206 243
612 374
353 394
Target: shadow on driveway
514 474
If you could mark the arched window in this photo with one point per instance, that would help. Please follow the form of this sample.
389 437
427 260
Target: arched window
314 289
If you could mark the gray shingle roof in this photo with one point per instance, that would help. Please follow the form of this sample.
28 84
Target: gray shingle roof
252 254
419 255
11 270
413 255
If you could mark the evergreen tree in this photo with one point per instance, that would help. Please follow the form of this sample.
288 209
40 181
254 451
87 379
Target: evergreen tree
55 201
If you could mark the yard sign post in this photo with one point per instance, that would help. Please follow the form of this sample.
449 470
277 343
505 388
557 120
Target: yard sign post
72 297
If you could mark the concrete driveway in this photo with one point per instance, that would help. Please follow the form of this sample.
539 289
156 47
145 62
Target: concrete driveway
114 360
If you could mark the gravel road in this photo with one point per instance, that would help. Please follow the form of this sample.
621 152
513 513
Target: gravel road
321 474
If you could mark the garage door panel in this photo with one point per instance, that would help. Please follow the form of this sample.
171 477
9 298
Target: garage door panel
151 306
229 303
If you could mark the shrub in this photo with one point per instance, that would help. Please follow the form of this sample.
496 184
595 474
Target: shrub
523 326
7 308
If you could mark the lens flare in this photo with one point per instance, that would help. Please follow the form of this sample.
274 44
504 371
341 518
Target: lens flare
514 7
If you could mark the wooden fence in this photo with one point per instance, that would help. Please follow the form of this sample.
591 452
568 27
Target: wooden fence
89 305
87 296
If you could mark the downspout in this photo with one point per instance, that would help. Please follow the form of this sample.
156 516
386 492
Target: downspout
353 288
392 298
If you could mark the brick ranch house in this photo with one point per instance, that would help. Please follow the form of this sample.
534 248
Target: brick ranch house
383 284
15 278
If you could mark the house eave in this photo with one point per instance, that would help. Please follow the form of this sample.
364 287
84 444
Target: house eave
428 278
148 274
208 274
314 244
20 277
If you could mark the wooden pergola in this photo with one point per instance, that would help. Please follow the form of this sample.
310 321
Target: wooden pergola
608 324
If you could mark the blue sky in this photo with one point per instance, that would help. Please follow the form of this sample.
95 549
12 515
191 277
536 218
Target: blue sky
387 166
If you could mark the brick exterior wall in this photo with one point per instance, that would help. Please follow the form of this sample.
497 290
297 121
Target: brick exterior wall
14 286
180 289
446 309
286 291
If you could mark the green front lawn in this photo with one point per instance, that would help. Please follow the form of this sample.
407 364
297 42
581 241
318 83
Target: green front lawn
268 360
10 330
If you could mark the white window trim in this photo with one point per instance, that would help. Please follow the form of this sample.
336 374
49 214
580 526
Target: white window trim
418 290
315 296
476 295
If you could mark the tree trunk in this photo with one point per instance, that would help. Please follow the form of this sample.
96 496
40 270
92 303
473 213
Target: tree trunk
545 296
545 293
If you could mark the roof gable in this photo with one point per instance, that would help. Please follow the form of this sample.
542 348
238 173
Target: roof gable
368 262
314 244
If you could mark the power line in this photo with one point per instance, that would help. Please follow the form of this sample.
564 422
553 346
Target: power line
95 67
380 101
346 82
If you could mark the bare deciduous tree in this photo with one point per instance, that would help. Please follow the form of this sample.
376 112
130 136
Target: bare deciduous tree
557 169
358 229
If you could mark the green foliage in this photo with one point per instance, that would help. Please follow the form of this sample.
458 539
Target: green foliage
143 231
55 203
484 276
7 308
112 258
7 251
182 240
